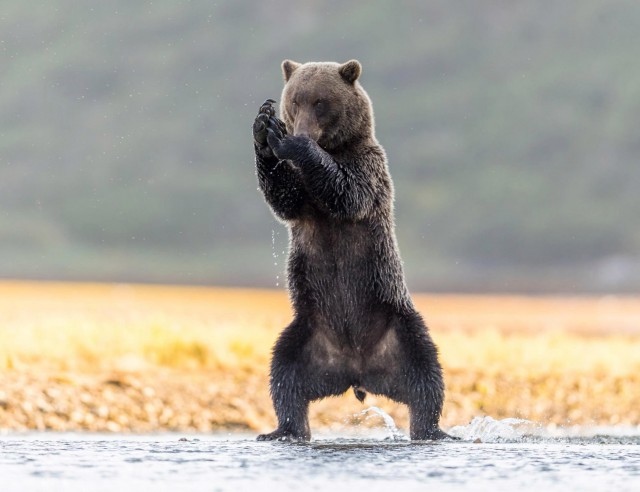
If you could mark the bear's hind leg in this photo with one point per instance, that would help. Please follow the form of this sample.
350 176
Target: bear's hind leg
287 388
297 378
424 385
290 402
409 373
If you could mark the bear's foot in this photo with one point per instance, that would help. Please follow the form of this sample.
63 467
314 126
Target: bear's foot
433 435
283 436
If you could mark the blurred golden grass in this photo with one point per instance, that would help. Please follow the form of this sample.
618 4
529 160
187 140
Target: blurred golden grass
101 326
97 327
553 359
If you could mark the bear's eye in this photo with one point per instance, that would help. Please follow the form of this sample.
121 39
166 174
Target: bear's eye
320 106
294 107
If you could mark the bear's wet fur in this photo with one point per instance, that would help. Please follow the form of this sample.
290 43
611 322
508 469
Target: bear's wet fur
324 174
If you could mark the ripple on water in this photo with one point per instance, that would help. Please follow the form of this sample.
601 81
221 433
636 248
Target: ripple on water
523 457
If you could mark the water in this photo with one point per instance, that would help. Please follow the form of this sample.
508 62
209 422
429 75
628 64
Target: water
505 456
275 255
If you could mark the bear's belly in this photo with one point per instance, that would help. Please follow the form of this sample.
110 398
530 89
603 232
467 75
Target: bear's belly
380 354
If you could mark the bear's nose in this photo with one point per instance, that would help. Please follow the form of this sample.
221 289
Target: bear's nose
312 132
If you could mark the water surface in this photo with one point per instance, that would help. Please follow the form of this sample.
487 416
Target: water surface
506 455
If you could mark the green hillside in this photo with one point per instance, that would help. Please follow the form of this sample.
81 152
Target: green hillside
511 129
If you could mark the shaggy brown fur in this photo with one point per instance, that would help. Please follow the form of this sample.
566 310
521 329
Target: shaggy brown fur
325 175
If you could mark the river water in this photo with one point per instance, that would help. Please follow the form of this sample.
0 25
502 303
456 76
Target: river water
492 455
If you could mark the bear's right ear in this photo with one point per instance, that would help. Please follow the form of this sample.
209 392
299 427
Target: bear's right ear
288 67
350 71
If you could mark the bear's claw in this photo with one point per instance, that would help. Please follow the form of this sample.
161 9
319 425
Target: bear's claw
266 120
267 108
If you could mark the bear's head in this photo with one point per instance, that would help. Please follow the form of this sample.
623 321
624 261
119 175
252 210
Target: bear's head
325 102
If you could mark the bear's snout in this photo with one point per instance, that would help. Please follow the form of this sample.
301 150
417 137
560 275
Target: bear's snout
307 127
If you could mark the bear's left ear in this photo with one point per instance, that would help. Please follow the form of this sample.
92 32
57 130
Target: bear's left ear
288 67
350 71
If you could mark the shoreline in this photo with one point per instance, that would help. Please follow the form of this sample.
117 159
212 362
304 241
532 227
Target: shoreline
179 401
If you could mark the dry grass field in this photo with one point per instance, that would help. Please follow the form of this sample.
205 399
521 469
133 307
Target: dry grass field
147 358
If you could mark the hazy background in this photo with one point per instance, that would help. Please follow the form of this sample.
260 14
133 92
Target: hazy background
512 130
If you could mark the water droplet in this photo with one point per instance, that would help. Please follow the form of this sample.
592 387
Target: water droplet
275 255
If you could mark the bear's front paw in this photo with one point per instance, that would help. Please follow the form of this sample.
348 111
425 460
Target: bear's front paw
264 121
287 147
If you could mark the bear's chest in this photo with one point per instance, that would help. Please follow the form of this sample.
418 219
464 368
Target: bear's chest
333 272
335 262
329 242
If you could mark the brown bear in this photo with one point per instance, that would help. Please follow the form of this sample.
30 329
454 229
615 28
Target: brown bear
325 175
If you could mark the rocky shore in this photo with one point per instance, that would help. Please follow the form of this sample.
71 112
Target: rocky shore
169 400
158 401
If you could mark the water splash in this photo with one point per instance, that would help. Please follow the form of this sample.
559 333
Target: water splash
275 255
488 429
372 412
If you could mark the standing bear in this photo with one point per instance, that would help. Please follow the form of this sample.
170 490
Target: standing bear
325 175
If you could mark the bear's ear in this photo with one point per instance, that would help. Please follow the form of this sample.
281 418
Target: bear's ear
350 71
288 67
